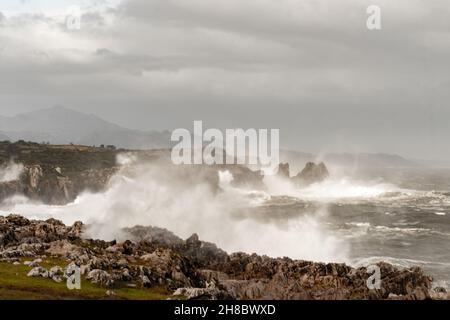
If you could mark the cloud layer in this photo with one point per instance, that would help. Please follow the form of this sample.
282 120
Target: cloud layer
310 68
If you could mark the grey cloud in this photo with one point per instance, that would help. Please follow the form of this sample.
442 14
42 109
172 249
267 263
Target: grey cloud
310 68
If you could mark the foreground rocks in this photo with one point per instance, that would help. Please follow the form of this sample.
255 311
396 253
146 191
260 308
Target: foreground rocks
195 269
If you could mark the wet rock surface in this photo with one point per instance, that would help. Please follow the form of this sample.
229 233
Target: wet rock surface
195 269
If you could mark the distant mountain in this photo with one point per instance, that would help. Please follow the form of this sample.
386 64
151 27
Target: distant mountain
359 160
60 125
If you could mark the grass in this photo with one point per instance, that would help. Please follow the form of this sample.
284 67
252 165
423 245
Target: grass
15 285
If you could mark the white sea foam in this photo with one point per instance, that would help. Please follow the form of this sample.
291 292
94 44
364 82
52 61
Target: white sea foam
150 194
11 172
329 190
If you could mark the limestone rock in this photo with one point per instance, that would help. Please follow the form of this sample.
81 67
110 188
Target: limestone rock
100 277
38 272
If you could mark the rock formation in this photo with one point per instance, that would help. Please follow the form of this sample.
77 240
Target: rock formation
195 269
312 173
56 174
283 170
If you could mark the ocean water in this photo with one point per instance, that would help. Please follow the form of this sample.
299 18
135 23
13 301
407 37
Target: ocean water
398 216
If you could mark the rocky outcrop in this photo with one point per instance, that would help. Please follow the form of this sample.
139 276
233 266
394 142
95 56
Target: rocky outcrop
16 230
283 170
312 173
195 269
199 252
58 174
50 185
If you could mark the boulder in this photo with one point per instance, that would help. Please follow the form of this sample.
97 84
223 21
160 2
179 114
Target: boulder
38 272
100 277
56 273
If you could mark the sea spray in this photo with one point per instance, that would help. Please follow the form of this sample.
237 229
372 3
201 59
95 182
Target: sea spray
330 189
10 172
182 201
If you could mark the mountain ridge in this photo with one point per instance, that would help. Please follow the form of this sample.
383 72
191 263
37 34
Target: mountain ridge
60 125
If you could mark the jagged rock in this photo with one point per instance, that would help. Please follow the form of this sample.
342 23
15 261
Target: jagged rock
15 220
38 272
312 173
283 170
15 230
22 250
210 292
212 275
154 235
203 253
100 277
56 273
126 276
165 263
193 242
76 230
60 248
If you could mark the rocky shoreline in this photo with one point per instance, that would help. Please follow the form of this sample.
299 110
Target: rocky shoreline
194 269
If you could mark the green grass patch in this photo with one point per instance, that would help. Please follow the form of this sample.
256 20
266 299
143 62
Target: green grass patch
15 285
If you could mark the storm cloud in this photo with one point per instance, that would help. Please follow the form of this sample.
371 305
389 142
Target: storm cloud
310 68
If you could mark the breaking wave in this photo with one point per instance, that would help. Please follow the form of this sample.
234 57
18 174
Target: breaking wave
151 194
331 189
10 172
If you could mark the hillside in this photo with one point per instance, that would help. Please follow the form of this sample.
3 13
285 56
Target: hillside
60 125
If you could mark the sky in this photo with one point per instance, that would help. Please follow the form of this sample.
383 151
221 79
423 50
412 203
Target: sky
310 68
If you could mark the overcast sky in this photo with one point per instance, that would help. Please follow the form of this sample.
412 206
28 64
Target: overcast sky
310 68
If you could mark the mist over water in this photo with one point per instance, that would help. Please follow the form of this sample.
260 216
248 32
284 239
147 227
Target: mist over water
164 196
331 189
